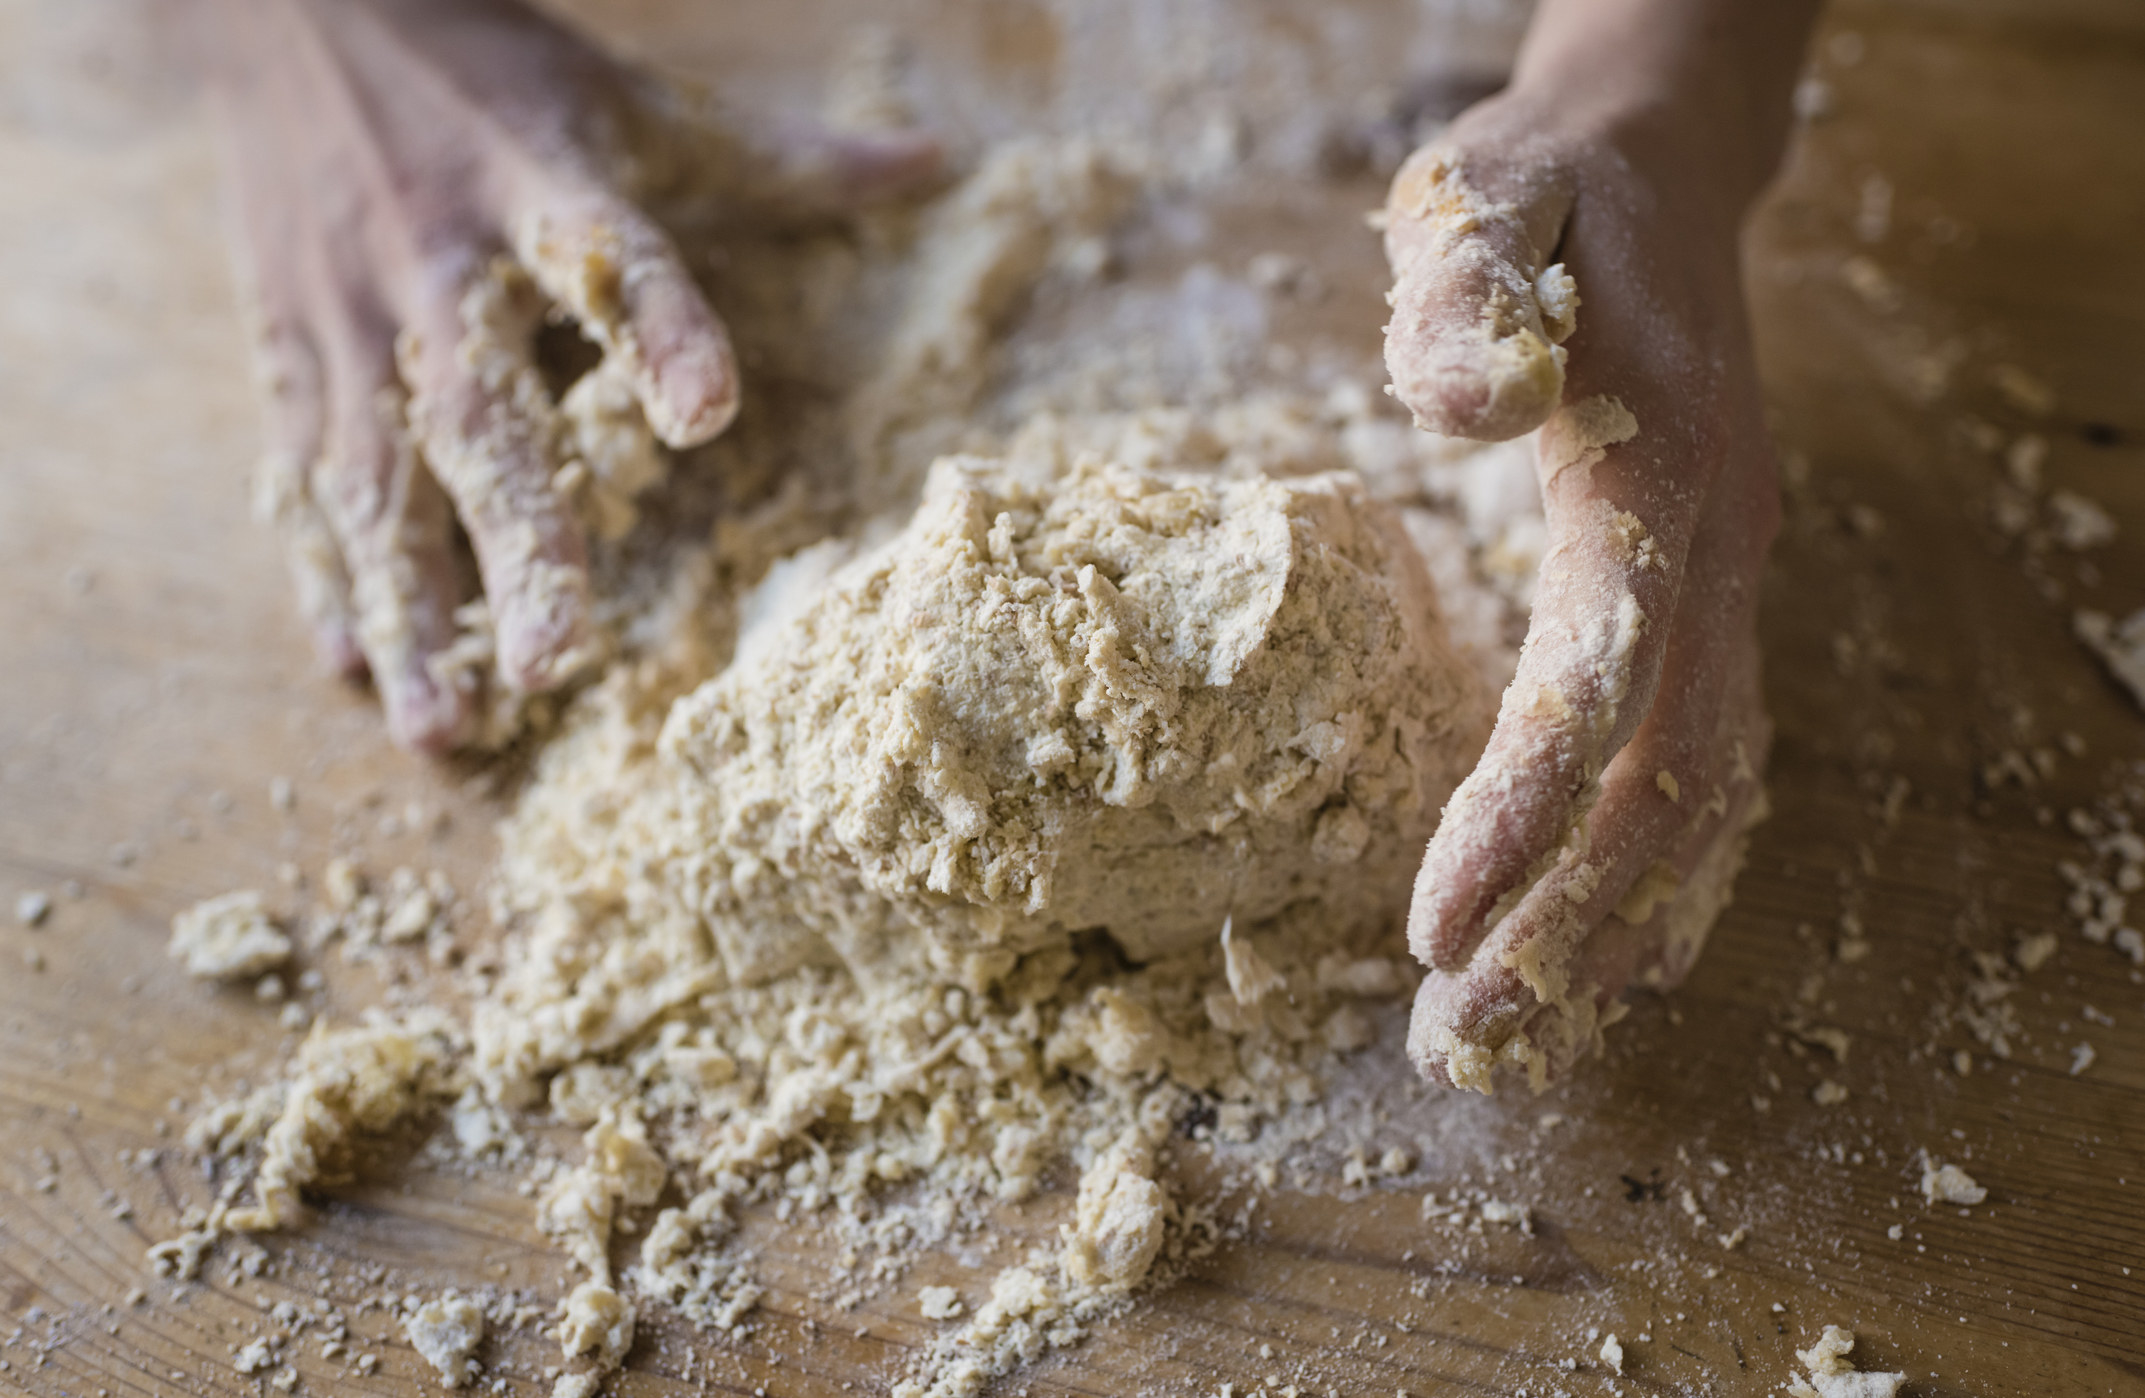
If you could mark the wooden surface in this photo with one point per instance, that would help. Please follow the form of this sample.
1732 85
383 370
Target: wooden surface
153 683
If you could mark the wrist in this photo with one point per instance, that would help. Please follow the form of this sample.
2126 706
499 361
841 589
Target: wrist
1687 89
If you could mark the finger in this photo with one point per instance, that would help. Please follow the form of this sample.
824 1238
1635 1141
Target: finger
287 368
1585 679
817 170
489 433
296 412
1473 346
622 279
1535 990
393 531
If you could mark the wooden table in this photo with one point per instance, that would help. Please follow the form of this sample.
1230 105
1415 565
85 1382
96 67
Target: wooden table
153 684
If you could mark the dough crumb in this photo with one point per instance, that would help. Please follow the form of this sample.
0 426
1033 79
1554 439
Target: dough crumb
1612 1354
939 1302
446 1332
228 938
2120 645
595 1322
1251 979
1948 1184
1833 1375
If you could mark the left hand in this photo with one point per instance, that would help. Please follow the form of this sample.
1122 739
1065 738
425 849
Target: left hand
419 183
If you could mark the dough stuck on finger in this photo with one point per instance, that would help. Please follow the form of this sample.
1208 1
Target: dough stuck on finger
283 499
1475 343
492 437
623 282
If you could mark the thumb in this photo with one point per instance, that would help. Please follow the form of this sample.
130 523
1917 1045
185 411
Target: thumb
1474 347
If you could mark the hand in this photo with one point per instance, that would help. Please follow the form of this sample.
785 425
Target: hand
1596 840
419 182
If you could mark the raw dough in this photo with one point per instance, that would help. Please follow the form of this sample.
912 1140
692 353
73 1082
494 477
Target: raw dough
1833 1375
447 1331
228 938
1055 701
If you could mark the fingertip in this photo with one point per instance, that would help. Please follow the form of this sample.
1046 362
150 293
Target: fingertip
1429 940
1444 1050
336 646
888 164
424 715
1485 391
541 629
695 393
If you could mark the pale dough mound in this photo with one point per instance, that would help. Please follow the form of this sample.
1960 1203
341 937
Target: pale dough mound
1102 698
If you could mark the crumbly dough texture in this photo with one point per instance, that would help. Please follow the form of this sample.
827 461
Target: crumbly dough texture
446 1332
1063 699
1833 1374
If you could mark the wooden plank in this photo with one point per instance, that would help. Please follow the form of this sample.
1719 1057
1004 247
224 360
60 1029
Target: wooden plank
150 663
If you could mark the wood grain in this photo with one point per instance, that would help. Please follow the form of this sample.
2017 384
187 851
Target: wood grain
153 683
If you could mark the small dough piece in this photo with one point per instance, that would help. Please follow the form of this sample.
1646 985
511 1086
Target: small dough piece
447 1331
1119 1221
228 938
938 1302
1251 979
1948 1184
597 1322
1832 1374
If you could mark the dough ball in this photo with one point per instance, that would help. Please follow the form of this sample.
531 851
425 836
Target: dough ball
1073 698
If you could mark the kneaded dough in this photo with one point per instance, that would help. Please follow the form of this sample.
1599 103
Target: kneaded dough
1070 698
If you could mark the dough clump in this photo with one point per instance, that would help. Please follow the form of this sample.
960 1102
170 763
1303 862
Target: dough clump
1127 699
228 938
447 1331
1833 1374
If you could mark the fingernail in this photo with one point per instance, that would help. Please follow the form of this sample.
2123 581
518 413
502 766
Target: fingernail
699 393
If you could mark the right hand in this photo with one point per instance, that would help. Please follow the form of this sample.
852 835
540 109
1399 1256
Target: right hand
1592 846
